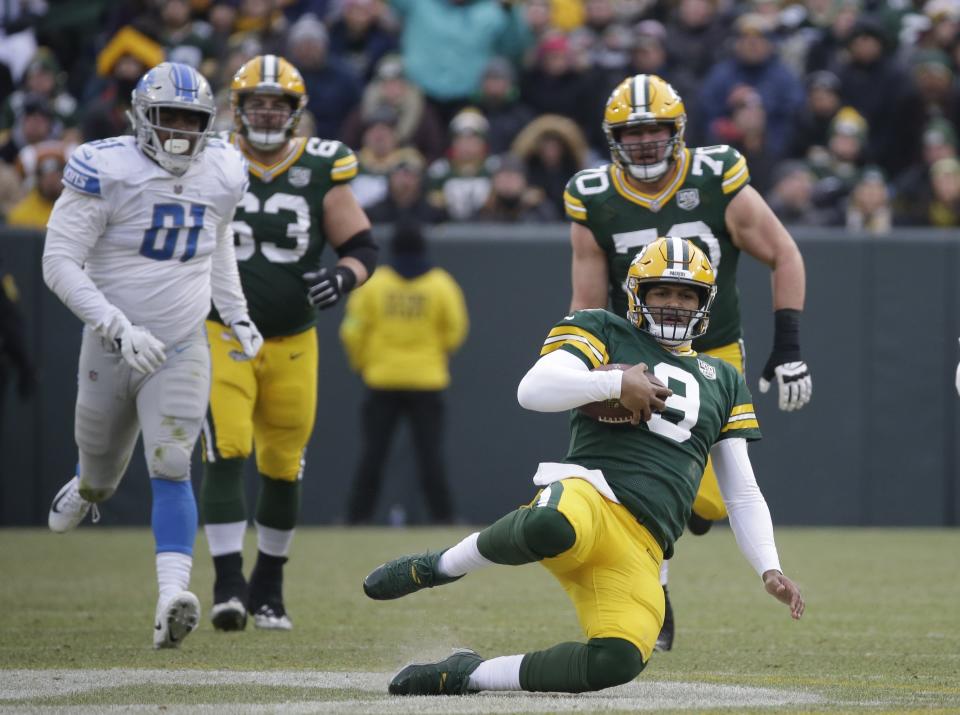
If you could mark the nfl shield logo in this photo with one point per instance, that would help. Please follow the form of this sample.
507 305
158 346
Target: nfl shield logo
688 199
299 176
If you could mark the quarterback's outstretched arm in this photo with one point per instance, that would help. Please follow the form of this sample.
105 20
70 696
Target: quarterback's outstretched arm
76 224
750 520
560 381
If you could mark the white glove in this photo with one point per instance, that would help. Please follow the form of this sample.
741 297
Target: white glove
137 345
248 336
793 383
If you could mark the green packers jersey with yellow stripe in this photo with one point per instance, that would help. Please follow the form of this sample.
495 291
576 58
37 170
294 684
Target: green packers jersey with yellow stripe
654 468
278 231
693 205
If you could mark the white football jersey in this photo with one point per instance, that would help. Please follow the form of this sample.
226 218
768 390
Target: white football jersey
149 235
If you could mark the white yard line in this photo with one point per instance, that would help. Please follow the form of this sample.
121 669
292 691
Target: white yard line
641 695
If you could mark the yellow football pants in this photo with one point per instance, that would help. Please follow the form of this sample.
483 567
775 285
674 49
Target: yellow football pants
708 503
269 402
612 572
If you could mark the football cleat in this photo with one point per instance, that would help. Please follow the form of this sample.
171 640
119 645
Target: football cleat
271 617
665 639
229 615
447 677
405 575
69 508
176 619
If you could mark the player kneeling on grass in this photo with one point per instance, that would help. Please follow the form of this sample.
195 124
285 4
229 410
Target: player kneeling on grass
609 514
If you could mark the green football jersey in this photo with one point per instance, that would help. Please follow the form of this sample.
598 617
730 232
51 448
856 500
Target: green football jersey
623 220
278 231
654 468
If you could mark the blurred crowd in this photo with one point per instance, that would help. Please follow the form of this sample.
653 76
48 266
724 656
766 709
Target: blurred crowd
480 110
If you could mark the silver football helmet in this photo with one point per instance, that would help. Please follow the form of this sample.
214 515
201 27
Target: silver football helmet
171 85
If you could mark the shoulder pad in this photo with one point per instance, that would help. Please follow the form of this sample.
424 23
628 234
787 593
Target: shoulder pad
582 188
724 162
91 162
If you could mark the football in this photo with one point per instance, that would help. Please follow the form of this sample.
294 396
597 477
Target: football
611 411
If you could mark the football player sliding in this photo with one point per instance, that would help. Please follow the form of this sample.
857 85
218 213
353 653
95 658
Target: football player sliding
657 186
610 511
299 200
137 245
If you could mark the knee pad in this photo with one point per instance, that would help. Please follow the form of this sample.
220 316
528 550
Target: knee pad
170 460
547 532
612 661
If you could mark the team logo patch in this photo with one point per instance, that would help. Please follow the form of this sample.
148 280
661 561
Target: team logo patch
707 370
688 199
299 176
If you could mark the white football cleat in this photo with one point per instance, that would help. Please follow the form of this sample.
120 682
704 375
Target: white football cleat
176 619
272 618
69 508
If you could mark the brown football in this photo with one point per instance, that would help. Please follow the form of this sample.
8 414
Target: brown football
611 411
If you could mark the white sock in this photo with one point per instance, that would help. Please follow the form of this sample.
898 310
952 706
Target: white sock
225 538
274 542
664 568
463 558
501 673
173 573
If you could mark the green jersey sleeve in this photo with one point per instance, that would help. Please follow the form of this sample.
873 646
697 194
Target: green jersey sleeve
582 191
727 164
742 419
343 165
583 334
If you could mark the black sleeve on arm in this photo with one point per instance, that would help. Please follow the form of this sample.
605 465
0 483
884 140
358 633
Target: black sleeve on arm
362 247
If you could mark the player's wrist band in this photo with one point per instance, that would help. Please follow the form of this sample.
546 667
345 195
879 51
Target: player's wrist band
786 331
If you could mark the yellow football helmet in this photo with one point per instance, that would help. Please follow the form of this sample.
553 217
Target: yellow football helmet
670 260
267 75
643 100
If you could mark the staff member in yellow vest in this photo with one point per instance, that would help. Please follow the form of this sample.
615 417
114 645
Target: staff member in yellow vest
399 331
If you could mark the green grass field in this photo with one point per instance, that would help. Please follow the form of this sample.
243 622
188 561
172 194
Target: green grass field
881 633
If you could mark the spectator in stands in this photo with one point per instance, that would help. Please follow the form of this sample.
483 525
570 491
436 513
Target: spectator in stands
811 124
553 148
838 167
867 69
359 35
555 85
827 30
912 189
37 123
376 155
754 62
265 21
943 209
43 78
399 332
447 44
184 39
332 85
793 198
697 35
869 207
512 199
33 211
120 65
499 100
745 129
460 183
406 199
417 122
943 25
